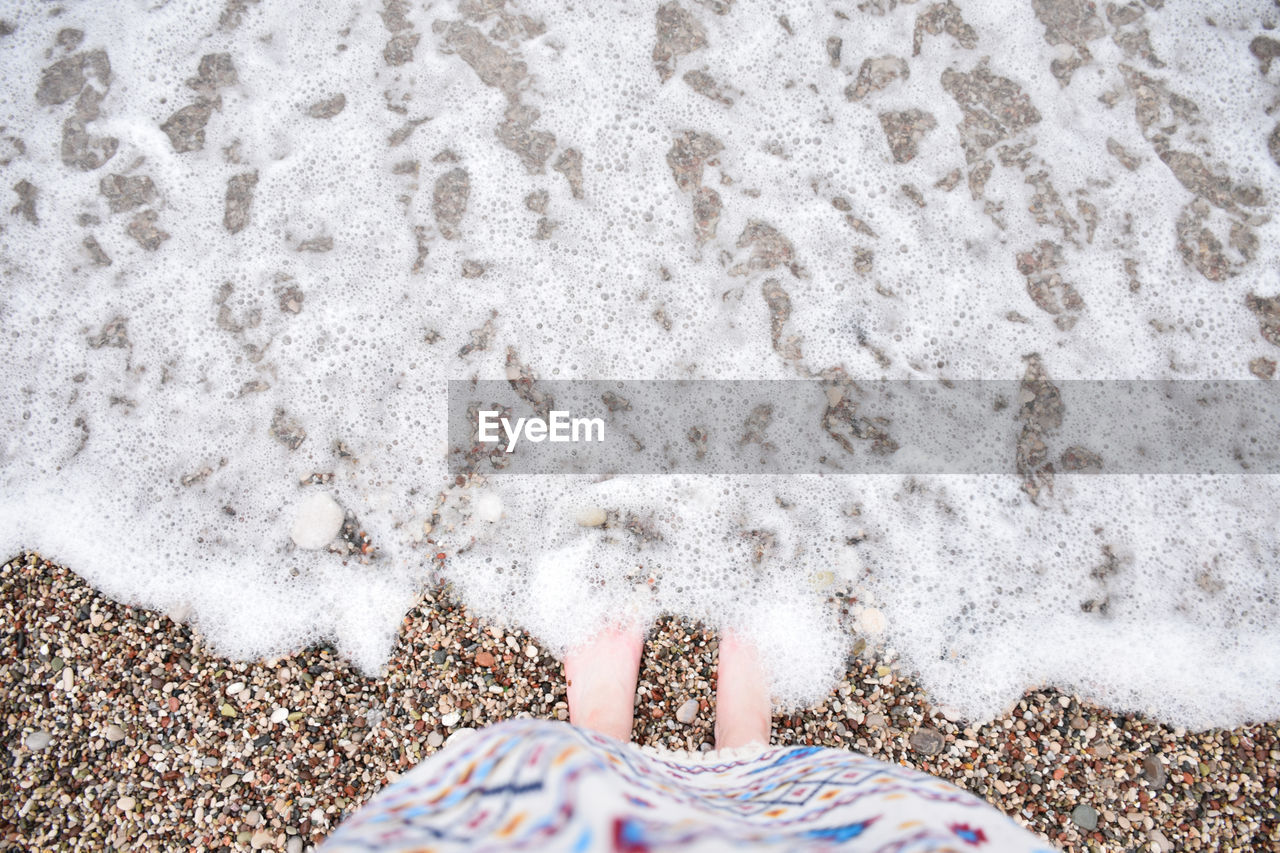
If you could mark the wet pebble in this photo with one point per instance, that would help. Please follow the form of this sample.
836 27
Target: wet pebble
927 741
1085 817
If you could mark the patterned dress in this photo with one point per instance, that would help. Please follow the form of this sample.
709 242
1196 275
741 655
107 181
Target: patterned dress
537 785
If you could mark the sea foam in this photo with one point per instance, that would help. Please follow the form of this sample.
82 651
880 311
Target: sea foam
513 190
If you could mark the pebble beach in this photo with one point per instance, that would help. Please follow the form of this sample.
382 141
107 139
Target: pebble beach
262 269
122 731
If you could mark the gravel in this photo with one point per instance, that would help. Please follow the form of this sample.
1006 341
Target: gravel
136 748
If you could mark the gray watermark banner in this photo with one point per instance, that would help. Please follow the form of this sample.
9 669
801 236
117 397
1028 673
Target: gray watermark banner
1029 427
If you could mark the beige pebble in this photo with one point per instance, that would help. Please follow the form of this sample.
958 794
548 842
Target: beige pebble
592 516
279 715
871 622
318 520
531 651
126 803
113 733
459 735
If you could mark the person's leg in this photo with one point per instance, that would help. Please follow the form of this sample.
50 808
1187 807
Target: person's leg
602 676
743 704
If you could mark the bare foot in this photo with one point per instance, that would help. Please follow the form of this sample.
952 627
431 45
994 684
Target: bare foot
743 704
602 677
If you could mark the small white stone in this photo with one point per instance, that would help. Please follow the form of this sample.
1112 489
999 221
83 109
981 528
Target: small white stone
113 733
435 739
279 715
37 741
459 735
262 838
233 689
951 714
180 612
871 622
126 804
513 643
293 845
688 712
450 719
96 619
592 516
318 520
487 506
531 651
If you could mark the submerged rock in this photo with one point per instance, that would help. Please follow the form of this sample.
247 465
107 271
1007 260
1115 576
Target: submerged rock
239 201
940 18
875 74
329 107
678 33
569 164
706 86
517 134
449 201
1268 312
904 130
145 231
185 127
127 192
26 206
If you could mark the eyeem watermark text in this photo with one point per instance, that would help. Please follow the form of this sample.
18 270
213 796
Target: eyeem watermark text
559 427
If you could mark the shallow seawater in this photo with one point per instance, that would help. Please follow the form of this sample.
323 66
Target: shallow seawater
245 250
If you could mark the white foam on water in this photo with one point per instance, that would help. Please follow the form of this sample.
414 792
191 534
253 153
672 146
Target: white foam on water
153 466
